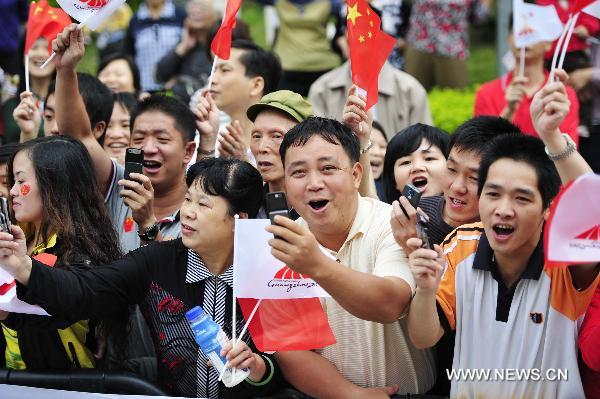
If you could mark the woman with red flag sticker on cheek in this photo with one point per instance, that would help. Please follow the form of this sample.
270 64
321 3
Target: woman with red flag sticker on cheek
55 199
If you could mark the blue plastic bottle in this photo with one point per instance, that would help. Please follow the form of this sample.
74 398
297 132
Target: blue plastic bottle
211 339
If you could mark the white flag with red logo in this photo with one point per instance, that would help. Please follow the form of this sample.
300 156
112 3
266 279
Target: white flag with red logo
8 297
533 24
90 12
282 306
258 274
573 231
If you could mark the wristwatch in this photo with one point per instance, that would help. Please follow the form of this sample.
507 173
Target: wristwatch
569 149
150 233
367 148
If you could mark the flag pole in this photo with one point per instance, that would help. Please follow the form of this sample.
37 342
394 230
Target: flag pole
212 72
27 71
567 39
522 62
249 320
242 333
558 47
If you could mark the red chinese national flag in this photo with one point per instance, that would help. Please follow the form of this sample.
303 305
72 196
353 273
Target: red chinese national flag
221 44
287 324
369 48
44 21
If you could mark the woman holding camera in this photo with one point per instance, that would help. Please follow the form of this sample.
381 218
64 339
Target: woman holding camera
56 199
166 279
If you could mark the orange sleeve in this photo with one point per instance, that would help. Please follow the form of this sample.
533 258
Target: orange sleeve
564 297
446 294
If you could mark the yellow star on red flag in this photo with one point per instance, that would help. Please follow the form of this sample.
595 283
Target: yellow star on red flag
353 13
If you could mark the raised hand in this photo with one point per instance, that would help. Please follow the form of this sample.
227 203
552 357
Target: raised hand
550 107
69 47
207 122
355 116
138 195
27 116
232 142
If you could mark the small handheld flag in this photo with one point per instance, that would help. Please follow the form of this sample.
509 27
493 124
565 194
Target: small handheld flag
369 48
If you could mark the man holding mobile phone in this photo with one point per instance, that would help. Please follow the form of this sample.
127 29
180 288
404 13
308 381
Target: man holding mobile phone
369 280
146 207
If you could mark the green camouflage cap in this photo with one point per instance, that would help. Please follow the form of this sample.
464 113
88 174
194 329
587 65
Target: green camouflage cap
290 103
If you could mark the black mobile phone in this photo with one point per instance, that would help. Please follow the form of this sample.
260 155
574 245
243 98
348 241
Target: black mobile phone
276 204
413 195
4 215
134 161
423 232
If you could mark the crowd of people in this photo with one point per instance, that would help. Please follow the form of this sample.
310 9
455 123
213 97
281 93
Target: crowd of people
117 259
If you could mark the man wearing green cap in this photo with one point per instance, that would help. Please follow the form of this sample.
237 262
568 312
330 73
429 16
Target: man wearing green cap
273 116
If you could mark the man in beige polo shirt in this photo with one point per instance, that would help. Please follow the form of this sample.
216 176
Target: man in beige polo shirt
369 281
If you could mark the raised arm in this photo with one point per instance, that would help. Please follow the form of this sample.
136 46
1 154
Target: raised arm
550 106
71 115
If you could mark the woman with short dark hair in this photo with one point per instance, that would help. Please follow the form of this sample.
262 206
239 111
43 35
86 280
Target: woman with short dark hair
168 278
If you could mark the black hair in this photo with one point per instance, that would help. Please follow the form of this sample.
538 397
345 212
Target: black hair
476 134
71 199
238 182
329 130
526 149
241 31
184 119
126 100
135 72
405 143
378 126
7 150
97 99
259 62
51 90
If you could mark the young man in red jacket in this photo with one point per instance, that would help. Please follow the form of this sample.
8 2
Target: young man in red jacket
510 96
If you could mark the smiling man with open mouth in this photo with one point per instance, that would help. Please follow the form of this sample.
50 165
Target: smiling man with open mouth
365 273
